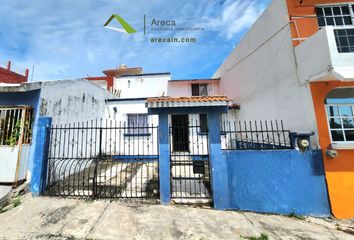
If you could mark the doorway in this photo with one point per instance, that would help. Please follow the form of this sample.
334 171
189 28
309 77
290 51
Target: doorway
180 133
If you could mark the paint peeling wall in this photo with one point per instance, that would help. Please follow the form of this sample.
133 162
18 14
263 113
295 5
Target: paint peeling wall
70 101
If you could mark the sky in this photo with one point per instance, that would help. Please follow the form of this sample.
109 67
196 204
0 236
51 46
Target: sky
65 39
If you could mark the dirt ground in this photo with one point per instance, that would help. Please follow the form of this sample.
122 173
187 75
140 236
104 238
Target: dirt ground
55 218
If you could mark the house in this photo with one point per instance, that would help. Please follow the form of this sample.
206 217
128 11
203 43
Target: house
11 73
21 104
132 88
296 63
196 154
107 81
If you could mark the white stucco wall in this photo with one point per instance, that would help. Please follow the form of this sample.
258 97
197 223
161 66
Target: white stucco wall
142 86
72 101
324 63
133 92
260 74
127 107
130 145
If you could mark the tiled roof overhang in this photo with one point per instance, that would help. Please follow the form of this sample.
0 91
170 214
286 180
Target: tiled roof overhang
195 101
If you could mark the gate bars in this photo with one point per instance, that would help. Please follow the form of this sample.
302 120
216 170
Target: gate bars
103 159
255 135
190 171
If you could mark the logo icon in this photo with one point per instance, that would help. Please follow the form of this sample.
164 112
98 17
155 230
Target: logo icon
126 27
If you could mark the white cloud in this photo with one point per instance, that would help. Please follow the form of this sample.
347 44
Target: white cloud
66 39
236 17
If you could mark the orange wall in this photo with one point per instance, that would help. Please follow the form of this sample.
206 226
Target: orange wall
340 170
307 24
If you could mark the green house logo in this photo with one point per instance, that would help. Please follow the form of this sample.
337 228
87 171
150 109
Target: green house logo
126 27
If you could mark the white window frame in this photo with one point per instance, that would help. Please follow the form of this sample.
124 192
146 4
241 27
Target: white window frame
339 27
133 129
345 143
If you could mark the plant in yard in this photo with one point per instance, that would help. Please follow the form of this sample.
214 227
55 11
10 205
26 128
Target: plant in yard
262 237
338 227
15 134
294 215
16 202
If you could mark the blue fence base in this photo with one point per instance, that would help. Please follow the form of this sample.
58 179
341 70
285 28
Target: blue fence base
277 181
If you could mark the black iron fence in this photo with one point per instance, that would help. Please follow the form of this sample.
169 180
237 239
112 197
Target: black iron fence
255 135
190 171
103 159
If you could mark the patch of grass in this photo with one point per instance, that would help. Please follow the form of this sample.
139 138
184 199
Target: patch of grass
2 210
262 237
338 227
16 202
88 200
294 215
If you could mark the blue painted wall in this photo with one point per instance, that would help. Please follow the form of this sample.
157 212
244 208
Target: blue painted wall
219 174
40 151
164 159
272 181
279 181
20 98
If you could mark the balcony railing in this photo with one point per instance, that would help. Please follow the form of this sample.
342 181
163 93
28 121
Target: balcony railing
11 67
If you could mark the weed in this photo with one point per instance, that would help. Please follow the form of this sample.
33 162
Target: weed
262 237
338 227
88 200
294 215
2 210
16 202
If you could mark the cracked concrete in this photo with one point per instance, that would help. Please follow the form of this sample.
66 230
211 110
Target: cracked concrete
59 219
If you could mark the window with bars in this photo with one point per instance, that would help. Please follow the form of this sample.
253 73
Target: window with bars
137 124
14 122
199 89
340 16
203 119
341 122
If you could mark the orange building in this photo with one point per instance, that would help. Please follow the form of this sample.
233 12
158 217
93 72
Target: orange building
332 93
296 63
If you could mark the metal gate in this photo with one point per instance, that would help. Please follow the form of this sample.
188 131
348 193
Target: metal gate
103 159
190 171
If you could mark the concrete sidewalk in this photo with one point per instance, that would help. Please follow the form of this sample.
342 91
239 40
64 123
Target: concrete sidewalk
5 192
53 218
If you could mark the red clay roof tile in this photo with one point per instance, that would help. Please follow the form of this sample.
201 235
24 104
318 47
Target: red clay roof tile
189 99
